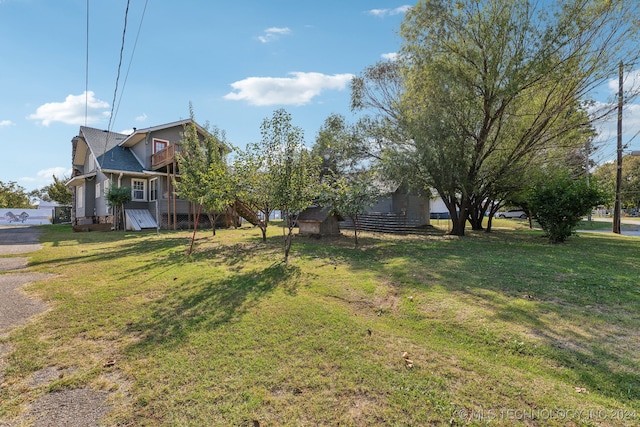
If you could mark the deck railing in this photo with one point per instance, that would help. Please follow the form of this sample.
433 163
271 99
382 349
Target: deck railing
165 156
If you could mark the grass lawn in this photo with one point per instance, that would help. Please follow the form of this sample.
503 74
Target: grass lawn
502 328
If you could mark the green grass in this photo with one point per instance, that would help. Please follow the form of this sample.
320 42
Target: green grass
501 327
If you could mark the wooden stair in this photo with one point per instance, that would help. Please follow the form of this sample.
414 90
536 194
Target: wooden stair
246 212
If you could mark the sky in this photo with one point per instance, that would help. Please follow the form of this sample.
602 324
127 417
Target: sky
235 62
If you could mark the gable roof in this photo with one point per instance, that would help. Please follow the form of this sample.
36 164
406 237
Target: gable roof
119 159
100 141
140 134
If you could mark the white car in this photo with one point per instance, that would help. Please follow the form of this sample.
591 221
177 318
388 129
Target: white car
512 213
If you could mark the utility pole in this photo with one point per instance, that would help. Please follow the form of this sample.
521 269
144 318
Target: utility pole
587 169
616 207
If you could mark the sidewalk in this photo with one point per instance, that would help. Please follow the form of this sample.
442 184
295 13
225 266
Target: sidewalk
629 226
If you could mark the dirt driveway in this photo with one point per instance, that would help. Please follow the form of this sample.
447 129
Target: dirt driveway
79 407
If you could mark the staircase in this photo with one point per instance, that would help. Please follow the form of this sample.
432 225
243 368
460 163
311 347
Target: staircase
246 212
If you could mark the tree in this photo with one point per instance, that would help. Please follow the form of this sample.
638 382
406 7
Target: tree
254 187
630 189
559 202
117 197
13 195
350 196
278 173
205 177
58 191
291 168
344 148
483 88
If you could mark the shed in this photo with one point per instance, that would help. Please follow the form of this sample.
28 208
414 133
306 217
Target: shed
318 221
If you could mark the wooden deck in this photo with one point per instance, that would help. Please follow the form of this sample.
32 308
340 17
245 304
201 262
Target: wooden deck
165 157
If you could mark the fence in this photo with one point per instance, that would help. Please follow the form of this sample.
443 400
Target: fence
385 223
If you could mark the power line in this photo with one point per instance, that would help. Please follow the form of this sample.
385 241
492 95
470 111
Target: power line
135 44
115 91
86 73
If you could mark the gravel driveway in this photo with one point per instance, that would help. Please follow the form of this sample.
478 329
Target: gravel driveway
74 408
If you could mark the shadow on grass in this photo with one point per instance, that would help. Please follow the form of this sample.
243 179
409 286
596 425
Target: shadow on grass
589 283
208 304
589 277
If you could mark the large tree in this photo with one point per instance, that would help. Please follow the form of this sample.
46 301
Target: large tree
205 176
13 195
486 88
56 191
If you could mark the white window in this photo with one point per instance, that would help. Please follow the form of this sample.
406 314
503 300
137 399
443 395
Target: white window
106 186
79 192
139 190
97 190
153 189
91 164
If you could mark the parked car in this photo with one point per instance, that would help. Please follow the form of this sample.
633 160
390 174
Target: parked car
512 213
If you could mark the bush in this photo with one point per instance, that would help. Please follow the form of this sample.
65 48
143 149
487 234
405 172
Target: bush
559 203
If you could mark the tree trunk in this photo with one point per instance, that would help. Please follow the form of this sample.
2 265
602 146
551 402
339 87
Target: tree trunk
458 226
212 220
475 220
356 226
489 223
287 247
263 228
459 219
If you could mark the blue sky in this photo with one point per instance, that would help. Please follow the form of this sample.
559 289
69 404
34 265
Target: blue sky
236 62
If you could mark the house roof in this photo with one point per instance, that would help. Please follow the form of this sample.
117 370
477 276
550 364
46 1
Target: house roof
120 159
140 134
316 214
100 141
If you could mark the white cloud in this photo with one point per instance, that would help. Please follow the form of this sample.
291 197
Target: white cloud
6 123
274 33
631 83
45 177
608 126
391 56
381 13
72 110
299 89
142 117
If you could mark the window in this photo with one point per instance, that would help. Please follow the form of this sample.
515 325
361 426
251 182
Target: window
97 190
138 190
91 163
106 185
79 192
153 189
159 145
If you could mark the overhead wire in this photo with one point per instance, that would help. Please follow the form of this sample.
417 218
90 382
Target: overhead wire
135 44
86 73
115 91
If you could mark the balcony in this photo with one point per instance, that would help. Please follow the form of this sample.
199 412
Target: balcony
165 156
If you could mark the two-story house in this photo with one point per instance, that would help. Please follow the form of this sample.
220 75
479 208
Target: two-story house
144 161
